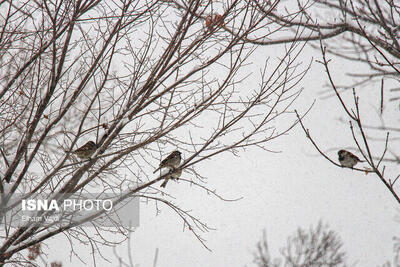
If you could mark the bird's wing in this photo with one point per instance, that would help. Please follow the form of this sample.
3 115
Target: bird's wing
82 148
165 161
354 157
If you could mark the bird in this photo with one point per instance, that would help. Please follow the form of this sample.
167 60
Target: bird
214 19
85 151
174 174
171 162
348 159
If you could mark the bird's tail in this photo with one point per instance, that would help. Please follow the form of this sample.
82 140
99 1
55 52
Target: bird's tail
156 170
164 183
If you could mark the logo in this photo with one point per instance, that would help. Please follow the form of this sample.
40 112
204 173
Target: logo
74 204
84 209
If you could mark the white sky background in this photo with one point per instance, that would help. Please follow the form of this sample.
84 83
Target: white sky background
281 191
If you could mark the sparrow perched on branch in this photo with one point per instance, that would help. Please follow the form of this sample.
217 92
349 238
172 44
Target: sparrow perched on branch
348 159
214 20
170 162
85 151
174 174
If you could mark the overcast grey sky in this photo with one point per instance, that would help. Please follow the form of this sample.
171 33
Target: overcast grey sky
280 191
286 186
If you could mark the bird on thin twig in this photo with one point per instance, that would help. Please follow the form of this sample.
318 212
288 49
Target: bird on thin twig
85 151
214 20
171 162
174 174
348 159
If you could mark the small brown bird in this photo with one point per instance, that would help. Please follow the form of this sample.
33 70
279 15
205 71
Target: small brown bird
171 162
214 20
348 159
85 151
174 174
